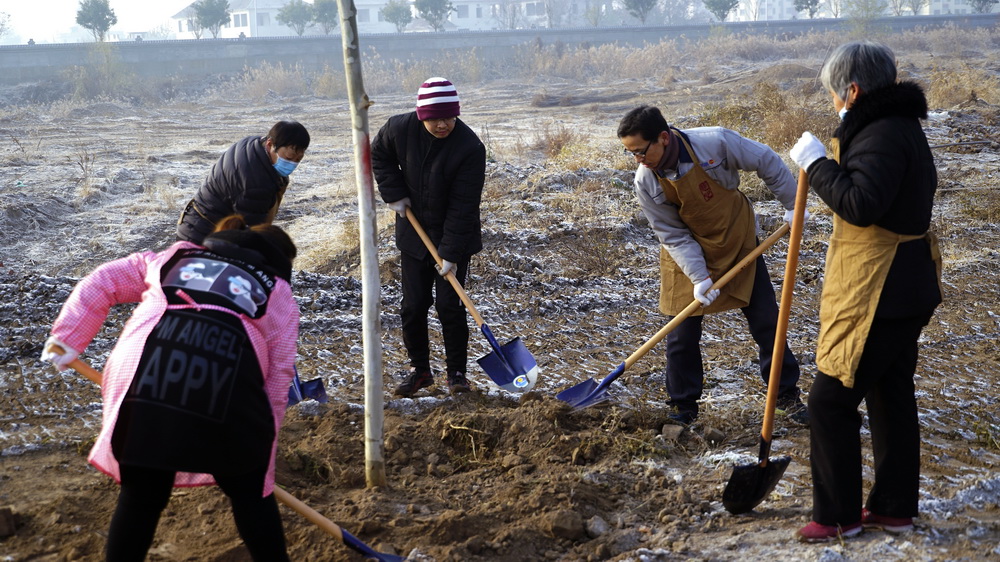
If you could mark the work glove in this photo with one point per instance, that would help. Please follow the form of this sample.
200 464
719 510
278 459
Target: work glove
807 150
60 360
790 214
702 293
446 266
400 206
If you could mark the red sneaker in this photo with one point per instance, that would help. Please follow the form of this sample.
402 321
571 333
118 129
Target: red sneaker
894 525
814 532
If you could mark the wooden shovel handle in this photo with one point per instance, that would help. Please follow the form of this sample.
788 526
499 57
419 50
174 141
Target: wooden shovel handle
785 309
695 305
450 276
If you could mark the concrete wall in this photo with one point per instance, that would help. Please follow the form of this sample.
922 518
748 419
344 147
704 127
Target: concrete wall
207 57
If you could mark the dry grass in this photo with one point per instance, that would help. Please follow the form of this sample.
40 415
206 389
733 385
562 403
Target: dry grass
950 86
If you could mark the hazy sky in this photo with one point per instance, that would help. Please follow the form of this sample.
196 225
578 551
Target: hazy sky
47 21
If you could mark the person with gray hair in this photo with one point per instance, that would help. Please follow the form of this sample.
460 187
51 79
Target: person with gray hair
882 284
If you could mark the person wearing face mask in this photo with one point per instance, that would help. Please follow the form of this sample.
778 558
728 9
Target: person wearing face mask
687 184
431 162
881 286
249 179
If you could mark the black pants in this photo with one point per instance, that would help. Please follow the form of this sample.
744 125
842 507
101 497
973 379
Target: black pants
145 493
423 286
884 380
685 373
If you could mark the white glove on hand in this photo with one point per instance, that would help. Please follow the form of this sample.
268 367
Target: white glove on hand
400 206
445 267
807 150
790 214
702 293
60 360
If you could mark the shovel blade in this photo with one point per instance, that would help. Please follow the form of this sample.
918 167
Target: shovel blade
577 393
751 483
512 367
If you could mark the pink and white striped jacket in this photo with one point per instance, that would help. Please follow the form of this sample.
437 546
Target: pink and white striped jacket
136 278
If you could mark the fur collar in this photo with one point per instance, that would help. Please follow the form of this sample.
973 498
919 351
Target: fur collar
903 99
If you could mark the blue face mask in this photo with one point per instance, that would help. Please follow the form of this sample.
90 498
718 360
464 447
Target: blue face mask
285 167
842 112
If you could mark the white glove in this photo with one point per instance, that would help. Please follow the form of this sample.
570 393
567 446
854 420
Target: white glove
790 214
60 360
702 293
400 206
807 150
445 267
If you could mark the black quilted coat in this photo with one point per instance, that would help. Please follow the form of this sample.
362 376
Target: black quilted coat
243 182
443 179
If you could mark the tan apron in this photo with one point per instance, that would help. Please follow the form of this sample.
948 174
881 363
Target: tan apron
857 264
722 222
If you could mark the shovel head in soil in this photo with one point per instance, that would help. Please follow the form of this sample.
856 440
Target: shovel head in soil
751 483
589 392
511 366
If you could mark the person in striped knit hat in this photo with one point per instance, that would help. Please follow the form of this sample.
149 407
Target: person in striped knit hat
433 163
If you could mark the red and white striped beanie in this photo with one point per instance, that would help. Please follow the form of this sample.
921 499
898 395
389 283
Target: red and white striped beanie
437 99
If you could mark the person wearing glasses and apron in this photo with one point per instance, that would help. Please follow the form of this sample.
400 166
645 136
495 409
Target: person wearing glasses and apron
688 188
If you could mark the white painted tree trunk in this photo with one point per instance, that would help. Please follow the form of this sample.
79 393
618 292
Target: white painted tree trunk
368 230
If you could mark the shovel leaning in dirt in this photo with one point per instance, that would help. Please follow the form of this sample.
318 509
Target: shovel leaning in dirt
511 366
589 392
751 483
284 497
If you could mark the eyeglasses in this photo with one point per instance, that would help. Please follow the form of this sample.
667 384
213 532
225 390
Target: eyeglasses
639 153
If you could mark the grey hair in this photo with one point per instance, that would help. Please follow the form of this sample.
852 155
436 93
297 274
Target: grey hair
871 65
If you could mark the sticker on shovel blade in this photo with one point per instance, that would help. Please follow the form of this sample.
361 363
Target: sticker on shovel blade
521 381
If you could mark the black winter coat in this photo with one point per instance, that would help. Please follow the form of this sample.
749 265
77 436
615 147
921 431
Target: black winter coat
886 177
242 182
442 177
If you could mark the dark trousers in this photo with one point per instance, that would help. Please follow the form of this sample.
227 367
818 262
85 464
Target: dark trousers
422 287
884 380
685 373
146 491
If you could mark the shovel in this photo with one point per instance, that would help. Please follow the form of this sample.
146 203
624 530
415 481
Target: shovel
751 483
284 497
511 365
589 393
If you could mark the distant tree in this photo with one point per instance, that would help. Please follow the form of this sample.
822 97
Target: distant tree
916 5
720 8
982 6
676 11
97 17
639 8
753 9
556 11
398 13
297 15
865 10
194 27
325 15
436 12
4 23
835 7
593 12
211 15
508 14
810 7
897 7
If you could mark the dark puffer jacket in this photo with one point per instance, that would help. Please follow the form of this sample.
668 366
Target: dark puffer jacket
242 182
443 179
886 177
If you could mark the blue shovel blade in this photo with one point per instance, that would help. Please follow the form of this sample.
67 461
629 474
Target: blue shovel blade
514 368
589 393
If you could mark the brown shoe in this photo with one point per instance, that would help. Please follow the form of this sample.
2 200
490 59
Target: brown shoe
416 380
457 383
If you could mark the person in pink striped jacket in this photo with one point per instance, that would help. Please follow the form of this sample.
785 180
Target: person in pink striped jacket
196 387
